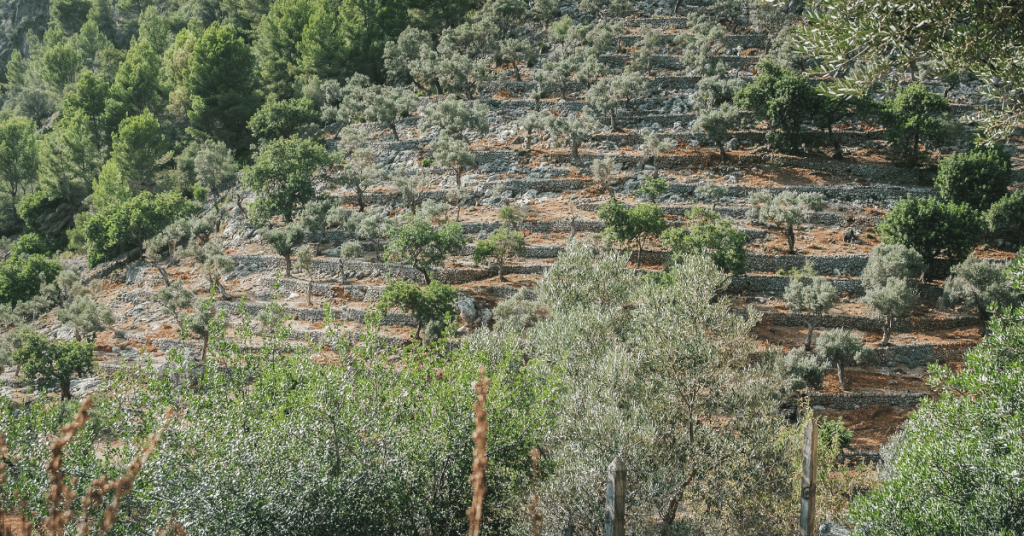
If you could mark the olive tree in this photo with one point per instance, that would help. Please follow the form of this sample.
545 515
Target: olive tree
454 117
654 147
572 131
500 247
422 246
282 176
304 261
361 172
430 305
530 122
349 250
175 299
602 170
660 376
842 349
453 153
711 191
86 316
811 295
382 104
284 240
890 291
716 123
215 264
373 225
633 226
47 362
786 208
978 284
707 233
931 227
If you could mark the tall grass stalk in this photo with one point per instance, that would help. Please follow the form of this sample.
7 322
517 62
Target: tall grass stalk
475 511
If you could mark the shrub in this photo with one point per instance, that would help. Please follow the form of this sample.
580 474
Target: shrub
422 246
979 178
283 119
707 233
785 99
501 246
912 117
802 369
121 227
978 284
635 225
432 304
1005 218
49 363
931 227
21 275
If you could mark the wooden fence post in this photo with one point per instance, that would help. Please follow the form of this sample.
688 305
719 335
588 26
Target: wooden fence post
809 482
615 500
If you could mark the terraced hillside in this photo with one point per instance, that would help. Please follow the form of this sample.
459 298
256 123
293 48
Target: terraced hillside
559 198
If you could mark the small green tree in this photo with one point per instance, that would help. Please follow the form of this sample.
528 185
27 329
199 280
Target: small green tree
812 295
382 104
633 226
572 131
304 260
371 225
978 284
711 191
707 233
652 188
785 99
786 208
215 264
1005 218
430 305
914 115
602 170
454 117
703 37
314 219
654 147
175 299
530 122
86 316
361 172
47 362
410 188
20 276
802 369
283 119
282 177
890 292
501 247
979 178
510 216
19 155
931 227
284 240
349 250
453 153
716 124
842 349
894 299
420 245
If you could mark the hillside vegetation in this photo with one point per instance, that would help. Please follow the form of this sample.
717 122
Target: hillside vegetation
429 267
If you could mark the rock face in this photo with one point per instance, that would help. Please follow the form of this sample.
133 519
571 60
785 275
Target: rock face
18 19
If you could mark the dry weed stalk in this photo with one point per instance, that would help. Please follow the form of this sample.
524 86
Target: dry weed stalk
60 495
121 487
172 528
475 511
535 517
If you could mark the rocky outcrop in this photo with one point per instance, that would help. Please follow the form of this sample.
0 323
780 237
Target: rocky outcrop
18 20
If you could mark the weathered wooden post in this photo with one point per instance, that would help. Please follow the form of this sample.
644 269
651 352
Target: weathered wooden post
615 501
809 482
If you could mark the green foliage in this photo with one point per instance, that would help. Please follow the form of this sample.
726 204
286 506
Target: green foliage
652 188
895 298
602 170
709 234
572 131
979 178
978 284
21 275
1005 218
501 246
282 176
812 295
385 104
633 226
802 369
638 359
454 117
716 124
889 261
957 457
137 145
510 216
931 227
136 86
19 155
785 99
453 153
283 119
221 84
787 208
432 304
704 37
51 363
85 315
422 246
284 240
842 349
121 227
912 117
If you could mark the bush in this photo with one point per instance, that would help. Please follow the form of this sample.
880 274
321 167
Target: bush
979 178
785 99
118 228
21 276
432 304
1005 218
708 234
51 363
283 119
931 227
914 116
633 226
